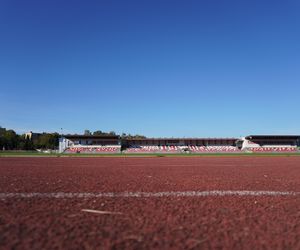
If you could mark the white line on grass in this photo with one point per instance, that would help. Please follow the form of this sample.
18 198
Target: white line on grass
62 195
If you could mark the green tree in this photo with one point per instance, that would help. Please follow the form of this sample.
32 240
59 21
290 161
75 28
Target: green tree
129 136
11 139
98 132
2 138
87 132
27 144
46 141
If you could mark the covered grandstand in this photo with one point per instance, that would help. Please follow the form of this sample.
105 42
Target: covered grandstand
89 144
115 144
179 145
269 143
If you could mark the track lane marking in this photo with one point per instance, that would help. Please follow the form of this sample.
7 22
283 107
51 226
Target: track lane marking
99 211
63 195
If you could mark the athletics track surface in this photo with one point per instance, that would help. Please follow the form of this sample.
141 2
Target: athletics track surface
150 203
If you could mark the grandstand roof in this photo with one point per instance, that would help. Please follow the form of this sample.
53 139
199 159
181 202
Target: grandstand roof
164 139
91 136
272 137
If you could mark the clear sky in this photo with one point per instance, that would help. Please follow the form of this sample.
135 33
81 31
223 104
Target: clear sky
157 67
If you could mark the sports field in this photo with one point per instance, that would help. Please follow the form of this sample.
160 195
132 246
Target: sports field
231 202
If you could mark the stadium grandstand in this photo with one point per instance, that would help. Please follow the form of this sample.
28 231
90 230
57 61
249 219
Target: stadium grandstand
269 143
89 144
115 144
179 145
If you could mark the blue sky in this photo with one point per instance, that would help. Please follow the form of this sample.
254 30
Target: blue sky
158 68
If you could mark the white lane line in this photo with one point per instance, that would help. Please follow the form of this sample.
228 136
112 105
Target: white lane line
62 195
99 211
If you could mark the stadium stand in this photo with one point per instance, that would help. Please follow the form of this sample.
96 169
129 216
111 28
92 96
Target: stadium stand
267 143
273 149
98 149
90 144
115 144
203 149
180 149
152 149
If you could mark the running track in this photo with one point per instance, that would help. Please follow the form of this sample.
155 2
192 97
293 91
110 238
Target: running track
150 203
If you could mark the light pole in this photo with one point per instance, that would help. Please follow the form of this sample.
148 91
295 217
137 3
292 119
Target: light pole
61 141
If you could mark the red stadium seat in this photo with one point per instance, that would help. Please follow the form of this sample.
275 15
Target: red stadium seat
96 149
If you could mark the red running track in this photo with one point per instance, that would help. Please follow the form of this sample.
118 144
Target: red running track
169 222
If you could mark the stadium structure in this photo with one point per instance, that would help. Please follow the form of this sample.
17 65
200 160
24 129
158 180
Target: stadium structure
116 144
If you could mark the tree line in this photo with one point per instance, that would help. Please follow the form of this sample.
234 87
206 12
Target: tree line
123 135
10 140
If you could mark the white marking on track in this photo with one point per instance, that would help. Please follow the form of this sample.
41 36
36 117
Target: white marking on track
62 195
99 211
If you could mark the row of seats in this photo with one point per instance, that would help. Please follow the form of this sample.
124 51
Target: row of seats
213 149
101 149
179 149
174 149
153 149
273 149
